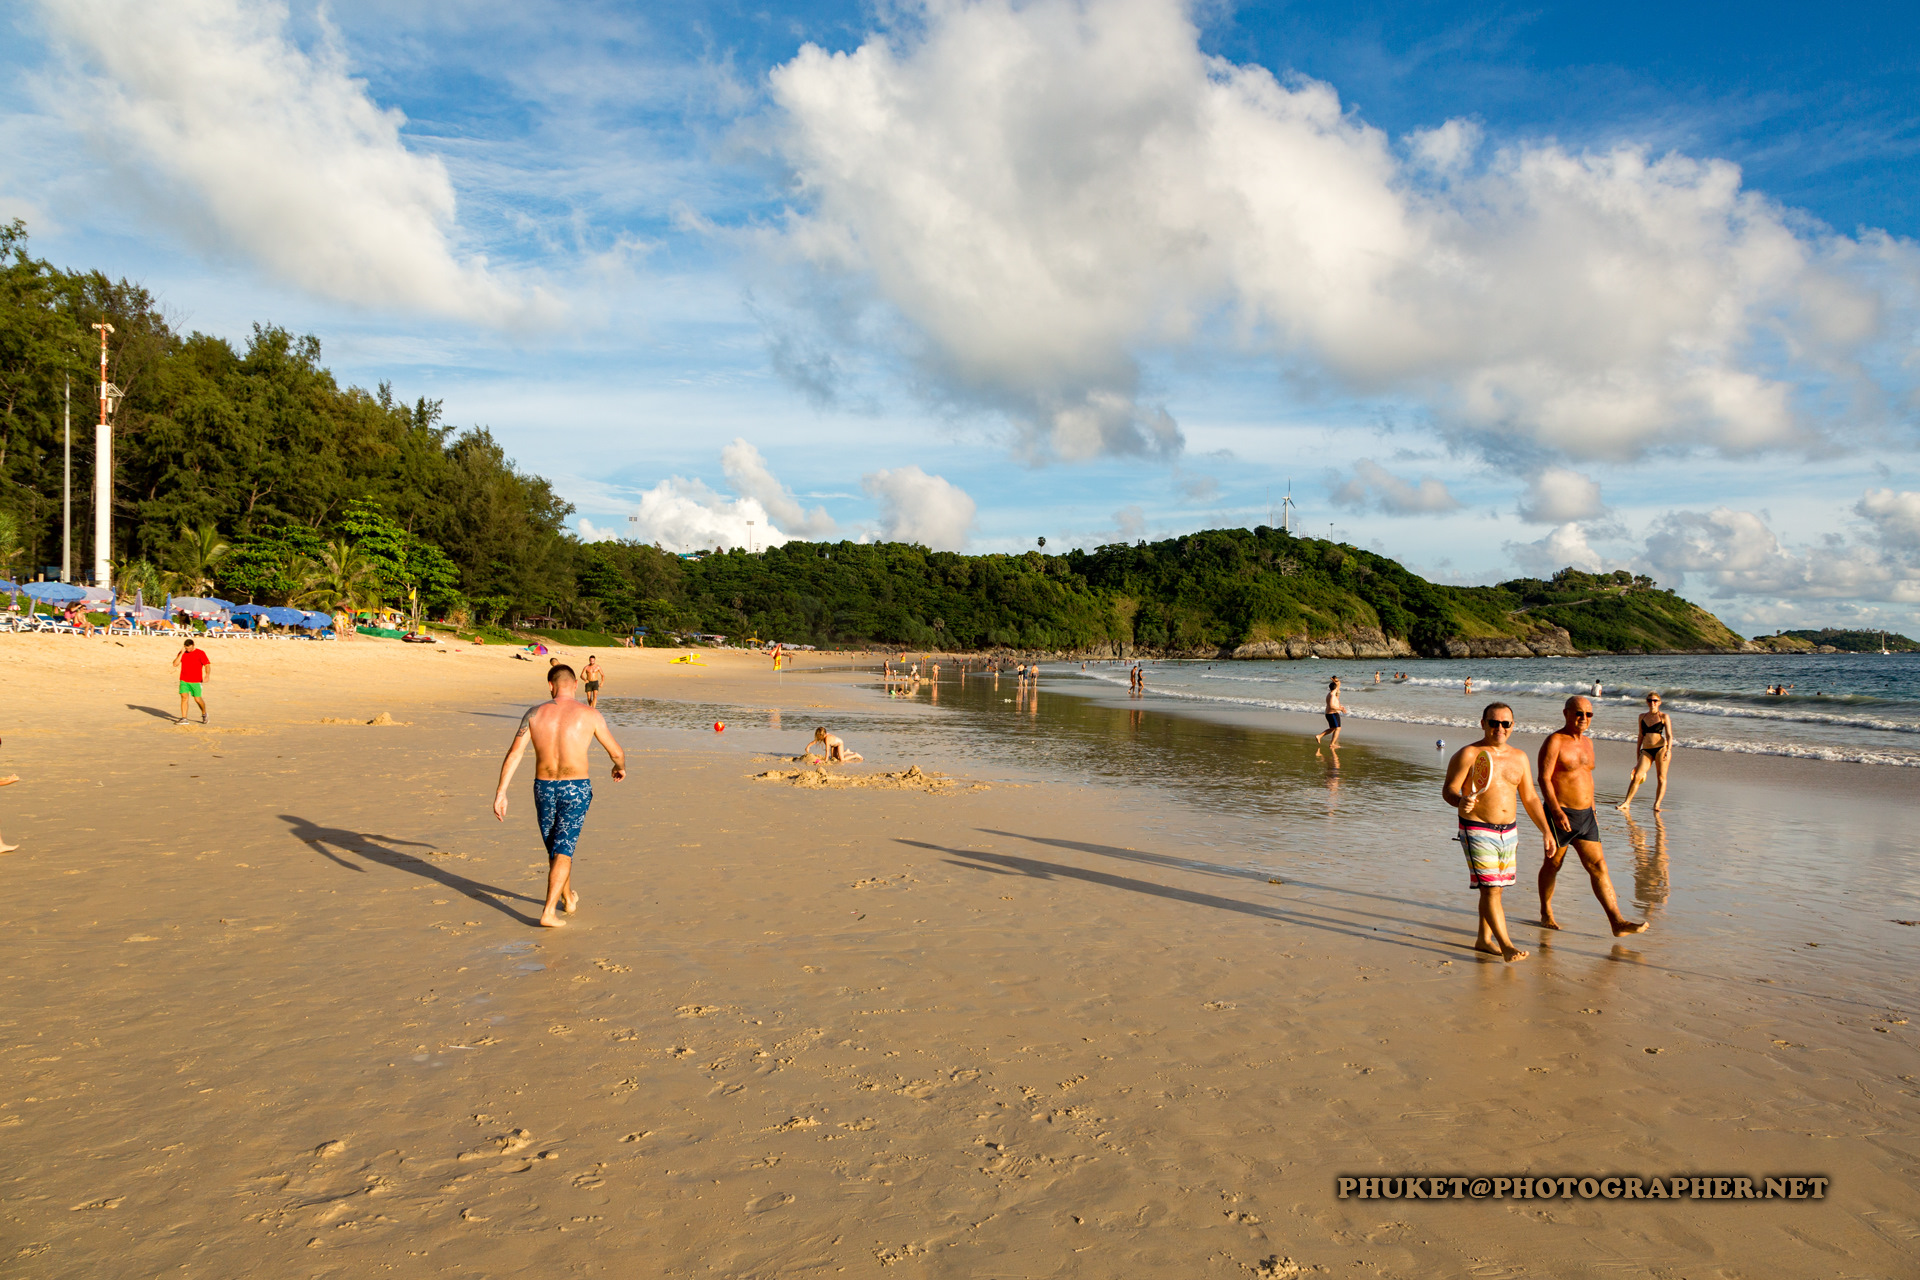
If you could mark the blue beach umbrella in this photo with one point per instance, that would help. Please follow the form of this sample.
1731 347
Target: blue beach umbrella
319 621
284 616
9 586
250 610
54 592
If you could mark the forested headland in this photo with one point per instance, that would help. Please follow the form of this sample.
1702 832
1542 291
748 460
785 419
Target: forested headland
253 474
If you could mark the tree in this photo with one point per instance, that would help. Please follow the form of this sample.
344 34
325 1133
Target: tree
341 578
195 555
406 567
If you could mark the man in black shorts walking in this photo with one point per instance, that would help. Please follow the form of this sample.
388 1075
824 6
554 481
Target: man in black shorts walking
1566 788
1334 712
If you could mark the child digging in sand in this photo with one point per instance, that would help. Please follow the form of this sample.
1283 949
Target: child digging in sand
832 749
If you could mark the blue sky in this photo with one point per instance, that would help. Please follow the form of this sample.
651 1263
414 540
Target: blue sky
1496 289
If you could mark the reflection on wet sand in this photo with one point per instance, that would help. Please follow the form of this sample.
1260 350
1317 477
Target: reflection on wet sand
1649 862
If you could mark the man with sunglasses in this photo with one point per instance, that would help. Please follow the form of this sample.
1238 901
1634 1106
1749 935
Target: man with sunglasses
1566 784
1489 834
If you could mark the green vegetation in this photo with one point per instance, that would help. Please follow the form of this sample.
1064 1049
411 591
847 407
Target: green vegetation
1619 611
1804 641
255 475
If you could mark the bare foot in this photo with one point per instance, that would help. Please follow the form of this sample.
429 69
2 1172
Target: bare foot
1514 953
1658 807
1629 926
1624 805
551 921
1546 918
8 848
572 902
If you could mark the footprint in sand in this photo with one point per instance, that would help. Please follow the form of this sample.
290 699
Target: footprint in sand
504 1145
1219 1006
332 1148
111 1202
765 1204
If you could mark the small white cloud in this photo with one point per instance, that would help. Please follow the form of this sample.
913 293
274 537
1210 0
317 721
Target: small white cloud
1566 547
749 475
1373 486
917 507
1129 525
590 532
685 515
1447 148
255 147
1557 495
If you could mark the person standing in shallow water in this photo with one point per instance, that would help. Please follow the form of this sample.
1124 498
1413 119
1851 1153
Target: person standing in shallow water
1566 787
1334 713
1489 834
560 731
1653 751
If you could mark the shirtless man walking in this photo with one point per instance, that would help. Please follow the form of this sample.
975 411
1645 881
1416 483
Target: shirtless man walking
1334 712
1566 785
1488 833
560 730
590 676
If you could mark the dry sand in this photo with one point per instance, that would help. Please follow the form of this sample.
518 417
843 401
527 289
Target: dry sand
274 1007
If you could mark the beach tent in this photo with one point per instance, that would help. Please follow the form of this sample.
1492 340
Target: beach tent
284 616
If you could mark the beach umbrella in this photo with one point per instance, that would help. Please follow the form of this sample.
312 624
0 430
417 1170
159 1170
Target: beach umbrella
9 586
252 610
54 592
284 616
319 621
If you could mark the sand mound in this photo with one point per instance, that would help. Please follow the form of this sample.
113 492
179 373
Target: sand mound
913 778
380 720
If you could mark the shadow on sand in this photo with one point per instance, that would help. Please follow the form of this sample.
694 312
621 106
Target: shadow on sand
379 849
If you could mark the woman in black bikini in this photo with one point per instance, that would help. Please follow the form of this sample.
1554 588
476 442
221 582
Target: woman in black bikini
1655 751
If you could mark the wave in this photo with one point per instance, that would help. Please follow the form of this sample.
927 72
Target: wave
1796 750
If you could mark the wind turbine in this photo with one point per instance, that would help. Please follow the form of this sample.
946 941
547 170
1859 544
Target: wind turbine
1286 507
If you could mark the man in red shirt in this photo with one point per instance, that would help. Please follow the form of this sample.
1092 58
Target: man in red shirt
193 666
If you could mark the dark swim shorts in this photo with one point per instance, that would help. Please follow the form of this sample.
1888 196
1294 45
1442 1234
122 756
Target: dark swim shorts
1585 827
560 807
1333 719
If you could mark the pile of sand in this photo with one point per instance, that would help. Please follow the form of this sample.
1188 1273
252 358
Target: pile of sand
382 720
913 778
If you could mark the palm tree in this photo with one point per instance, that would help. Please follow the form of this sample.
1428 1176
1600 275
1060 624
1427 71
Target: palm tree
341 578
195 555
10 548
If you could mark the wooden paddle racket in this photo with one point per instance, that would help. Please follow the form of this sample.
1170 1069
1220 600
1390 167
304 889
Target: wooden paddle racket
1479 778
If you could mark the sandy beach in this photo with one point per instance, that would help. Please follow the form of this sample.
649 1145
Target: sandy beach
275 1005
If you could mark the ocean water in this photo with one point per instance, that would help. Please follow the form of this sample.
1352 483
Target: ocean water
1861 708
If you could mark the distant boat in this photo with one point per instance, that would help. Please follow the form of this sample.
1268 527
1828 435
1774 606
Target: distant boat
1883 645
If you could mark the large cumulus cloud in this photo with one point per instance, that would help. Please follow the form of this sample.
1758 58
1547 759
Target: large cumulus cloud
1027 199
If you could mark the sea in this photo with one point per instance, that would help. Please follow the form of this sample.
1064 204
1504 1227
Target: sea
1860 708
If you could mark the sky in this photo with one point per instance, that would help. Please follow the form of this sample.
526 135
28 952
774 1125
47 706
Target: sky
1489 289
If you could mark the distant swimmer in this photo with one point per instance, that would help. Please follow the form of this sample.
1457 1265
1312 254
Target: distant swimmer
1376 677
832 749
1596 689
1334 712
1487 794
1655 751
1566 787
560 730
591 675
1469 684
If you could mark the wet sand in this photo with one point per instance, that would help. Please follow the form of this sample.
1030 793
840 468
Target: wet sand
275 1006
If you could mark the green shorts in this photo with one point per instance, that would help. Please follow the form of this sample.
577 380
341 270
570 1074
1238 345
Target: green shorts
191 688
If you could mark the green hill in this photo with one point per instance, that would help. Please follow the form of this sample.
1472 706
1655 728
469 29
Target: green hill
1828 639
1233 592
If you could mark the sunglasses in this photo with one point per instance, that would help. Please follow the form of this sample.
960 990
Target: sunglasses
1583 715
1499 724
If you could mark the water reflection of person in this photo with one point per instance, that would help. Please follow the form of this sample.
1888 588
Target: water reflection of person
1650 882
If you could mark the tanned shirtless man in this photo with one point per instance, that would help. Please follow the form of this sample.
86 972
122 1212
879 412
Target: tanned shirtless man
1334 712
560 730
591 675
1488 833
1566 785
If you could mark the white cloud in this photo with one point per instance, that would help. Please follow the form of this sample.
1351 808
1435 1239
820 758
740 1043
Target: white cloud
1565 547
1372 485
590 532
254 147
748 473
1026 198
1557 495
685 515
1738 554
1895 517
1129 525
917 507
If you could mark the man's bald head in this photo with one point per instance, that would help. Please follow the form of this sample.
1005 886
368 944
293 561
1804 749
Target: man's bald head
1578 711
